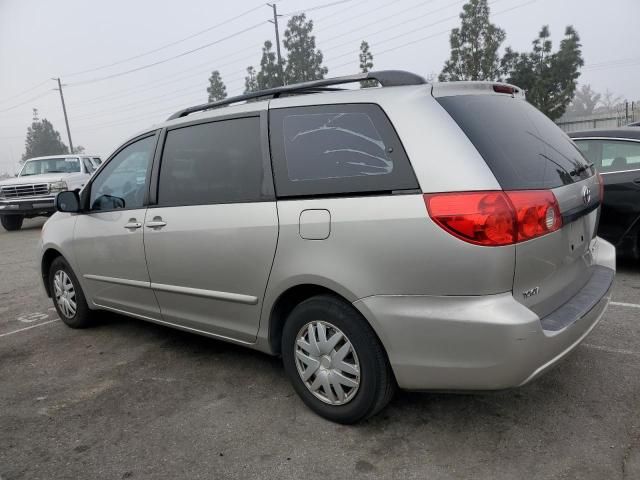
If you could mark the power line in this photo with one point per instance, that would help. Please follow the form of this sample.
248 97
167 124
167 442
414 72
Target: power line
173 57
26 101
24 91
167 45
318 7
389 27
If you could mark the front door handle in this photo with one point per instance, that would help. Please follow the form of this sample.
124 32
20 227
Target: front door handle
637 181
155 223
133 225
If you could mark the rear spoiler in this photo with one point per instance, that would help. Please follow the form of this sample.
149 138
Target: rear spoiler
448 89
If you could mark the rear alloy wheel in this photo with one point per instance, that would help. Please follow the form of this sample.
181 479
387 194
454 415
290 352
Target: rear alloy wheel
335 361
67 295
11 222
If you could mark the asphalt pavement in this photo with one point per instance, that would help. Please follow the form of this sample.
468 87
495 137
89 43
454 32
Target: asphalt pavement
128 399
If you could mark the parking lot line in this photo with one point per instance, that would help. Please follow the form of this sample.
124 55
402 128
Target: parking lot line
28 328
623 304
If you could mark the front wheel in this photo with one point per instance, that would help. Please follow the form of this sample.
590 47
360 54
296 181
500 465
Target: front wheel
335 361
11 222
68 297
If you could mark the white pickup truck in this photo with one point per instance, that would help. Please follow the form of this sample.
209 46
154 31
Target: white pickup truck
32 193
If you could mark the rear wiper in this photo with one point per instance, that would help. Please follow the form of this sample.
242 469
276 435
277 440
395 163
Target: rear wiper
579 170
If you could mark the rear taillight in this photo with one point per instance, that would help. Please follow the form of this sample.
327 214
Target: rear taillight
495 218
600 187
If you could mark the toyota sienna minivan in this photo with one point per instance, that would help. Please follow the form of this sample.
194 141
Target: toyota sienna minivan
420 236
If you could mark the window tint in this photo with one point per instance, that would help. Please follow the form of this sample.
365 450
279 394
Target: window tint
611 155
122 182
337 149
216 162
522 147
97 160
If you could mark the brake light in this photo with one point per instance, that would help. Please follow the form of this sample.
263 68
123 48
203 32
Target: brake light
502 88
600 187
495 218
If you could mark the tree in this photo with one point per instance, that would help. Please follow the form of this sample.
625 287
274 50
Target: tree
610 102
269 74
79 149
366 64
304 61
42 139
250 81
474 46
216 89
584 102
549 79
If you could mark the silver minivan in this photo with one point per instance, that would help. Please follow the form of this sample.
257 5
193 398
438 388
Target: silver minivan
421 236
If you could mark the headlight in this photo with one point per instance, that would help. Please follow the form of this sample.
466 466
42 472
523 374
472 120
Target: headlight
58 187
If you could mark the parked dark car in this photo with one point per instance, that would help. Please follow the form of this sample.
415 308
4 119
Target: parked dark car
616 155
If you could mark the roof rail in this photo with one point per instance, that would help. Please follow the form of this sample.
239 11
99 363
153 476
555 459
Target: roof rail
386 78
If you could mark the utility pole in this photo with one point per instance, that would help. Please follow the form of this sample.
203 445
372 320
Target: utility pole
275 24
64 110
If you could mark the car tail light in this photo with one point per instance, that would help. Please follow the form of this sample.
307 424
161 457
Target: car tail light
502 88
600 187
495 218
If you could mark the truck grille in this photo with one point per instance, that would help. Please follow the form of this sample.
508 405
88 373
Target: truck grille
17 191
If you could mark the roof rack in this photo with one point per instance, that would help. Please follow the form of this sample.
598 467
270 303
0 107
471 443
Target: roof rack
386 78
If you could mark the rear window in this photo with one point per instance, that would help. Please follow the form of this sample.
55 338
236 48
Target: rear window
337 149
522 147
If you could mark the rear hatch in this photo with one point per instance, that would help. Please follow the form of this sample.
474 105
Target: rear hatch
526 151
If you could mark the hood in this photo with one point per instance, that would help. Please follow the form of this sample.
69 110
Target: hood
29 179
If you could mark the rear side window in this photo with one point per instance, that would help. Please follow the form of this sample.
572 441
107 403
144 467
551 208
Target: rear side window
522 147
337 149
611 155
216 162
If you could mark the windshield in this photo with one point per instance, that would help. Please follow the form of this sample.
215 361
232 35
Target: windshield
50 165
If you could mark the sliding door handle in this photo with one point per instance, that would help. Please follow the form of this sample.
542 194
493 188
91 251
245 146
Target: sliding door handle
155 223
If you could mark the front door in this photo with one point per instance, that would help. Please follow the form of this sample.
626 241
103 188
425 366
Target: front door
211 238
108 240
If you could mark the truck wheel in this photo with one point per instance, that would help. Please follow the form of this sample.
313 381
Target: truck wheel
335 361
11 222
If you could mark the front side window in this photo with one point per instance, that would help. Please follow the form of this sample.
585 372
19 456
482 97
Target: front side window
51 165
215 162
337 149
611 155
122 183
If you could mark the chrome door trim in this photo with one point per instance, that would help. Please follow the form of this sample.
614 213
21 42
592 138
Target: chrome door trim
173 325
621 171
118 281
199 292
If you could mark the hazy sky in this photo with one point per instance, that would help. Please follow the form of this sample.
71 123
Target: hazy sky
40 39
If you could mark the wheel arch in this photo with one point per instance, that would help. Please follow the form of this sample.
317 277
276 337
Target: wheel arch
47 259
286 302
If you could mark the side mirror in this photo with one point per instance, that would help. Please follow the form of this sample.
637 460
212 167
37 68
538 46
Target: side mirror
68 202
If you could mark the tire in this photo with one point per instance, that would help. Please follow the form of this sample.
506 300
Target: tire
374 378
60 272
11 222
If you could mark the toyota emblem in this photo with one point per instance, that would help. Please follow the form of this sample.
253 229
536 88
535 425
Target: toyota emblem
586 195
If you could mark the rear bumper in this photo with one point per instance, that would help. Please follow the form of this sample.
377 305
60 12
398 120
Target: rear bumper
486 342
29 207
